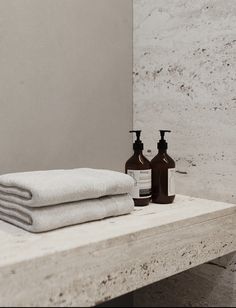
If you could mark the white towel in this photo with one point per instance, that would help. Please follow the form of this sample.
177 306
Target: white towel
57 216
45 188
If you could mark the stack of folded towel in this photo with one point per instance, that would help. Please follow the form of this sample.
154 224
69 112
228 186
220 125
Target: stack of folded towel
47 200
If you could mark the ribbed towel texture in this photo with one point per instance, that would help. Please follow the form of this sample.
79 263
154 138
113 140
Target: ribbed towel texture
46 200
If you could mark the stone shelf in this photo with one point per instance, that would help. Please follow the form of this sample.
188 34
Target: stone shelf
88 264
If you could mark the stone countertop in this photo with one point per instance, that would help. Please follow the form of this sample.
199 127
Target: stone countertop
91 263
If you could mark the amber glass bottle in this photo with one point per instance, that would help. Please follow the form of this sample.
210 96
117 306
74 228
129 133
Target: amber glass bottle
163 174
139 168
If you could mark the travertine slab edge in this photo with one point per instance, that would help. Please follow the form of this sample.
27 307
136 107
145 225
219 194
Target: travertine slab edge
85 277
20 246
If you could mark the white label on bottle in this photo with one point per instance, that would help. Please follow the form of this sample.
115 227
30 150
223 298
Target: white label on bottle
142 183
171 182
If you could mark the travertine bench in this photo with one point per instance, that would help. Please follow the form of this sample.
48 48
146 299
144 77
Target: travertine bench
92 263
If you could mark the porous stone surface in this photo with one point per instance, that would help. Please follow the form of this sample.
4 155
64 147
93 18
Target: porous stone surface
92 263
184 80
210 285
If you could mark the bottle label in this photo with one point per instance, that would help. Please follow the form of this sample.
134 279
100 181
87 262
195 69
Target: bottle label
142 183
171 182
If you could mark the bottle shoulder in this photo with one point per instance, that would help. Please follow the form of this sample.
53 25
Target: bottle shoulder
138 162
171 160
163 159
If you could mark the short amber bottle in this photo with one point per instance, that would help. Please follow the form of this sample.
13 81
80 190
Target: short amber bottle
139 168
163 174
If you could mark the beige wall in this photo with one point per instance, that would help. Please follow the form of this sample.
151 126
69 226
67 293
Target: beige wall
65 83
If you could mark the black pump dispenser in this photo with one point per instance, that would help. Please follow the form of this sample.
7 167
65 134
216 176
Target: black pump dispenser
163 145
138 145
139 168
163 173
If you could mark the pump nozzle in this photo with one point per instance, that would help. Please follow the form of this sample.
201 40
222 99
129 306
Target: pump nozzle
137 132
138 145
162 145
163 133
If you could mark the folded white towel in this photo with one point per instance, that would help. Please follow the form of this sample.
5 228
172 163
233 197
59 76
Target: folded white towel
45 188
53 217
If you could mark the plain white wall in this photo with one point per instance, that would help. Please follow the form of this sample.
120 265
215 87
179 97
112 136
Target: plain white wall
65 83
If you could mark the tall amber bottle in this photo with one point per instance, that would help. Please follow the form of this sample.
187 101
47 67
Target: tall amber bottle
139 168
163 174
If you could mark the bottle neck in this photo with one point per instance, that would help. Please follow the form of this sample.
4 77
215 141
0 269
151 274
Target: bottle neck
138 152
162 151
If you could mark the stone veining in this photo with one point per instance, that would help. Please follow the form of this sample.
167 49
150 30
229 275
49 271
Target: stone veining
184 79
